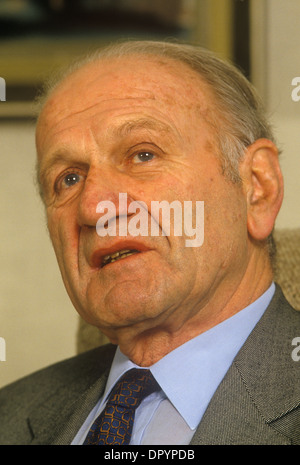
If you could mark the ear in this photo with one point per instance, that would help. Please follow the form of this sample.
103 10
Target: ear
263 184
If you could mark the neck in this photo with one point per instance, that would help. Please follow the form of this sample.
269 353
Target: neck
146 347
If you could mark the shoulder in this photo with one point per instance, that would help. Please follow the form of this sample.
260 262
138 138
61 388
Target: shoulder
73 375
272 338
281 315
269 370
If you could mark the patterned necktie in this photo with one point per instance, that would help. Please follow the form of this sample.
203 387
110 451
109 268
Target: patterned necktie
114 424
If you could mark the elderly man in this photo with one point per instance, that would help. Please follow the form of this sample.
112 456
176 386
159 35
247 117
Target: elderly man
201 336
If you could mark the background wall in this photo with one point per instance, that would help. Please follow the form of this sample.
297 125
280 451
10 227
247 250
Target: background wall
37 320
275 38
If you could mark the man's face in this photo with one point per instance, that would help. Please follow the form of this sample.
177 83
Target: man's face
139 126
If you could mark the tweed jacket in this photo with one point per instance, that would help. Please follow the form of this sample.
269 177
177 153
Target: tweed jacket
257 402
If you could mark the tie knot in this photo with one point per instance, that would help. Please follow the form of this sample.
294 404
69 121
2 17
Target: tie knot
132 388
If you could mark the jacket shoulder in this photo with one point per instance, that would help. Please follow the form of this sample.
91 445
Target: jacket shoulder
63 380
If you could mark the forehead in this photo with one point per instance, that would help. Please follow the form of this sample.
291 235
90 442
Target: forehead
135 83
110 76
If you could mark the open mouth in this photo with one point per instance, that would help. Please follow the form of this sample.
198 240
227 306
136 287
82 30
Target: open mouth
119 255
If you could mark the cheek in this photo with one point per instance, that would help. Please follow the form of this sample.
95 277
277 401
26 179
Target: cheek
226 227
64 233
170 187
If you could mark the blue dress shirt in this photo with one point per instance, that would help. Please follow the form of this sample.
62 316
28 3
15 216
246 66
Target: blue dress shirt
188 376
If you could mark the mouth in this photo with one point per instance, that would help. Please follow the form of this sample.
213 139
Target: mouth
120 250
118 255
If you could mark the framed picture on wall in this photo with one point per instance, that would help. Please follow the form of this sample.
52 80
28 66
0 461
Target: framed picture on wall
37 37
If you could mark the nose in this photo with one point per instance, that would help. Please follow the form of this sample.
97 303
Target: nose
102 187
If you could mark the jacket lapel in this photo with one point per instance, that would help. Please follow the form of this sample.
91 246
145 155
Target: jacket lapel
261 387
51 424
232 418
80 411
59 417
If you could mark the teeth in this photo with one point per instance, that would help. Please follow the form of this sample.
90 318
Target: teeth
117 256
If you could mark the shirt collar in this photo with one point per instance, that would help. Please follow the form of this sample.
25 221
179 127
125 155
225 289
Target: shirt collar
190 374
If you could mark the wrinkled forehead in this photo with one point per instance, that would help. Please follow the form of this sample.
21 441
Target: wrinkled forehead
141 81
128 77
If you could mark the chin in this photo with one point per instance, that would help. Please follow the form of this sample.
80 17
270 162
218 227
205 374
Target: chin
117 312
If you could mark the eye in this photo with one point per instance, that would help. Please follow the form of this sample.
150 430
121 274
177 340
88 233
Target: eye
71 179
142 157
68 180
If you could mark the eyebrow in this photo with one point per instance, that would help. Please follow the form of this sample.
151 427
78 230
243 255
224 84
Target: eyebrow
142 123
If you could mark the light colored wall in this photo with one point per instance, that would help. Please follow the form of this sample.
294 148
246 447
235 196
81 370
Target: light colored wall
276 61
37 320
